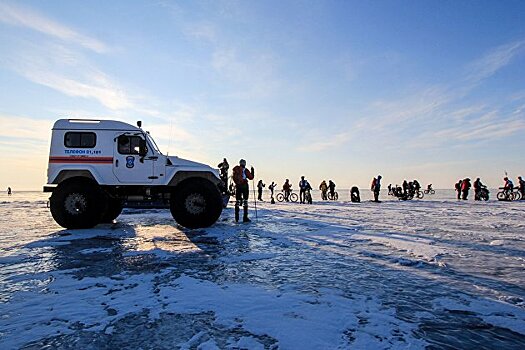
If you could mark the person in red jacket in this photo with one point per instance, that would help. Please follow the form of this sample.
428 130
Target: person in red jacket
465 187
241 176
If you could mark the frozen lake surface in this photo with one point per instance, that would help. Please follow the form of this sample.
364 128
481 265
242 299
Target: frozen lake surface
434 274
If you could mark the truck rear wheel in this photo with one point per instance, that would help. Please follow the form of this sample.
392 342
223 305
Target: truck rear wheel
77 204
196 203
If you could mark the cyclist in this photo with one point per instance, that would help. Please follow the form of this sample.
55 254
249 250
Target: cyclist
302 189
390 189
287 188
417 186
331 187
429 187
324 188
521 184
307 193
477 189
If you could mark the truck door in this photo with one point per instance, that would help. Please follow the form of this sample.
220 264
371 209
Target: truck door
128 165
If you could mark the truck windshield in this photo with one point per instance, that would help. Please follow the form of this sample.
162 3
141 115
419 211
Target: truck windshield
153 143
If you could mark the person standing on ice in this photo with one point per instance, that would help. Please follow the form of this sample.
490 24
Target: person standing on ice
354 195
323 187
271 188
521 184
303 184
331 187
9 191
376 187
465 187
457 186
241 176
405 187
260 186
287 188
477 189
223 167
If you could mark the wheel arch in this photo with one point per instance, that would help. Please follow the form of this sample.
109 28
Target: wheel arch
66 175
183 176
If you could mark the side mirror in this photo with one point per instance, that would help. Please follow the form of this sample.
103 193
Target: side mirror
143 149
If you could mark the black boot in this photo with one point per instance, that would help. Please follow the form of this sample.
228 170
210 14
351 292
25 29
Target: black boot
236 214
245 217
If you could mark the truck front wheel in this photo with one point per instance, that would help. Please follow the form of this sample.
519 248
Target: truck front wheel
77 204
196 203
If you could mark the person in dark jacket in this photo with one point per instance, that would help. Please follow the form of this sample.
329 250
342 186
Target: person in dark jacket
302 189
260 186
377 188
241 176
223 168
272 188
521 184
457 186
477 189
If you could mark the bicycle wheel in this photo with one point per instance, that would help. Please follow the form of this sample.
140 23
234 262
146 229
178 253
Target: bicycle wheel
419 195
279 197
501 196
517 196
432 192
336 196
294 197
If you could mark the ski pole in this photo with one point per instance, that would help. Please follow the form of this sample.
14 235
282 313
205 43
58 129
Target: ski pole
254 198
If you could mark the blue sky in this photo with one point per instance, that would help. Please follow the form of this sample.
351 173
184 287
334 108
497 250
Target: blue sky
433 90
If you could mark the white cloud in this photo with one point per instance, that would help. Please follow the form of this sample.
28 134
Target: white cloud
28 18
25 129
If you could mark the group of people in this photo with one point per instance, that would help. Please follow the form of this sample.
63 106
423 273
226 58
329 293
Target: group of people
409 189
327 188
241 176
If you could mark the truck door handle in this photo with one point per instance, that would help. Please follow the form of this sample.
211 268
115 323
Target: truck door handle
116 163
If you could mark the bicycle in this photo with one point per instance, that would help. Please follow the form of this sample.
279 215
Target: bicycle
429 191
509 195
333 196
308 197
483 194
292 197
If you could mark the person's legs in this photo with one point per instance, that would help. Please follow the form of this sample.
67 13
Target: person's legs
245 195
238 199
376 196
301 195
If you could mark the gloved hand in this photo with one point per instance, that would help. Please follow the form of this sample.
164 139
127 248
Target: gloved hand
252 171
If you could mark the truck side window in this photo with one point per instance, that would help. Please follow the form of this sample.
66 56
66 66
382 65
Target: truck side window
80 139
129 144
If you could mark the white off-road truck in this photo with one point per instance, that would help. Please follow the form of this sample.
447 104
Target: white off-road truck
97 166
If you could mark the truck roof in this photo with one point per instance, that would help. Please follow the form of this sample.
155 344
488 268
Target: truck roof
92 124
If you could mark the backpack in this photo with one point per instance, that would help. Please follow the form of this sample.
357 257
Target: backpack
373 186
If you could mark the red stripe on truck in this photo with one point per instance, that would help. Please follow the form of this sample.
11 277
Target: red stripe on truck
81 159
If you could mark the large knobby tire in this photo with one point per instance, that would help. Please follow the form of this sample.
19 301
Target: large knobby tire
77 204
196 203
279 197
502 196
294 197
114 208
